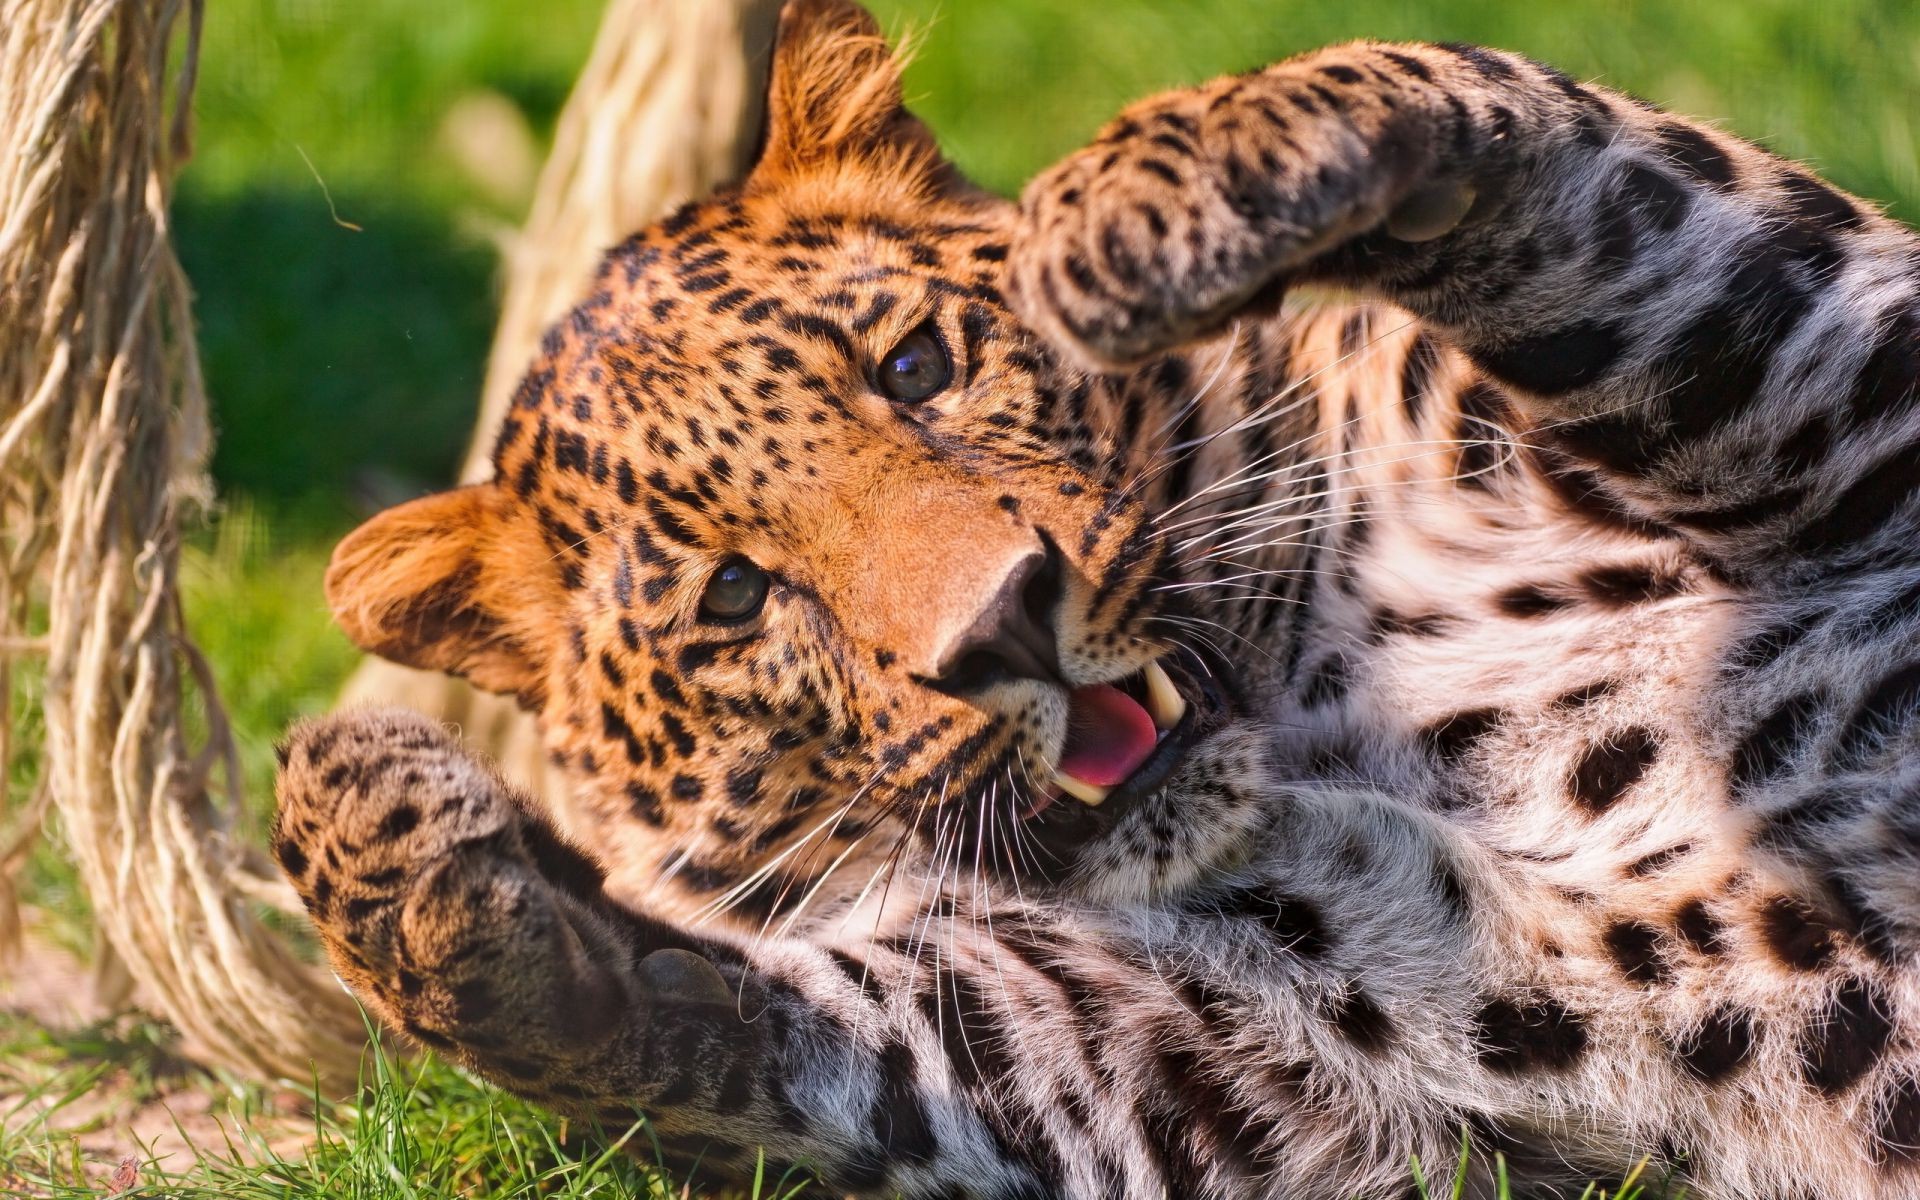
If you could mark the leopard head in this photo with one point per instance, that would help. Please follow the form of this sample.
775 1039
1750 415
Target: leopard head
798 542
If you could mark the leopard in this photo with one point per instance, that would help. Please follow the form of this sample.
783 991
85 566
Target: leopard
1374 610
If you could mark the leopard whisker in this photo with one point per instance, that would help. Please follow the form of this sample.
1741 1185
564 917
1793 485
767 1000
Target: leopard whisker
1019 836
1255 540
1303 538
1180 413
1196 549
732 896
935 880
1265 412
1005 835
985 911
1252 483
889 868
1293 497
820 882
1296 473
1188 619
1259 573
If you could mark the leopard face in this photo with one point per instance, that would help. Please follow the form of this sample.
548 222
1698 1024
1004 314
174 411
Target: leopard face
798 541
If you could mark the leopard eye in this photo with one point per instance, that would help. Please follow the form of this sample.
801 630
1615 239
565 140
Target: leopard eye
736 592
916 368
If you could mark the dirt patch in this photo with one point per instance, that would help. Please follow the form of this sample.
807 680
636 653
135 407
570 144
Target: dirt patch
48 986
116 1086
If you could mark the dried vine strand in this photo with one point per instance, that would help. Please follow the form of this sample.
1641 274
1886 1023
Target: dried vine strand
103 443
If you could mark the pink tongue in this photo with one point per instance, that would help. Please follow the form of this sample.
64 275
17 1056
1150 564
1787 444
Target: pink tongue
1108 736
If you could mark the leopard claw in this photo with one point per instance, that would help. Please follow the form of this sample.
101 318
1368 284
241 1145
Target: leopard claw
683 976
1431 212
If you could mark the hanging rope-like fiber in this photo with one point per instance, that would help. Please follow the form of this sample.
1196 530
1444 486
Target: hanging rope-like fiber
103 442
666 110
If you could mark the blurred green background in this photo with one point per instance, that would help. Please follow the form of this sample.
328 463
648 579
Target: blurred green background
355 161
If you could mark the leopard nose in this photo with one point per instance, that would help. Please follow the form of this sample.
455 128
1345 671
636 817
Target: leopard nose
1012 636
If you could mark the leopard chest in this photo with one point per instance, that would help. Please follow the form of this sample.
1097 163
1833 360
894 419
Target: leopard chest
1570 707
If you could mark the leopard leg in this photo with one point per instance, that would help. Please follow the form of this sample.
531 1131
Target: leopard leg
459 917
447 903
1711 339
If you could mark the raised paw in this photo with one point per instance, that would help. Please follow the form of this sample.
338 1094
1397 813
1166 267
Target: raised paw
450 907
1192 205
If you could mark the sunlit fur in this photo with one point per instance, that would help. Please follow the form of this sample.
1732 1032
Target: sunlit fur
1564 577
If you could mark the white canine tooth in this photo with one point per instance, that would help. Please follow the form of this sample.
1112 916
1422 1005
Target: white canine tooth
1089 794
1164 702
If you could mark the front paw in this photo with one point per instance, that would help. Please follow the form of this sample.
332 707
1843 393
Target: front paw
1191 206
451 908
422 873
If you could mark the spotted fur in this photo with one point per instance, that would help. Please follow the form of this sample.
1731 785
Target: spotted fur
1554 604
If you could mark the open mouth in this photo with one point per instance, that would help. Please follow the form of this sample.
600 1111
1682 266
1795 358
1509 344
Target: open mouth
1113 730
1125 739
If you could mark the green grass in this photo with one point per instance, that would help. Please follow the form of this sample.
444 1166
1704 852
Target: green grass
251 591
254 606
1633 1186
344 362
415 1130
1012 86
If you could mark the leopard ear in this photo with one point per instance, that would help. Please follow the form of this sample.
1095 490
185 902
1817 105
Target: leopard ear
428 584
834 101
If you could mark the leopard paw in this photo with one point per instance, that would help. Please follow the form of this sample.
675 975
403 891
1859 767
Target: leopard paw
443 900
1194 205
461 918
455 912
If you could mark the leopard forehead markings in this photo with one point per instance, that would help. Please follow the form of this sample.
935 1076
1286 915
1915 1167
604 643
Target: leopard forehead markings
1568 599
